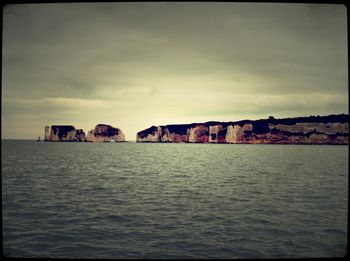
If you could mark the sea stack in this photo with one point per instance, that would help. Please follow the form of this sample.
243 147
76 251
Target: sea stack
64 133
105 133
331 129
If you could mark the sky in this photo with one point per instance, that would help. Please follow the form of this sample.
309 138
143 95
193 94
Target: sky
134 65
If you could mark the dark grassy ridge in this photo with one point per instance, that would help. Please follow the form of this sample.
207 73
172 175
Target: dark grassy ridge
109 132
144 133
62 130
180 129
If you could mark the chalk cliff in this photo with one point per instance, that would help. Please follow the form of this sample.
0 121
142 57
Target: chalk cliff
105 133
66 133
331 129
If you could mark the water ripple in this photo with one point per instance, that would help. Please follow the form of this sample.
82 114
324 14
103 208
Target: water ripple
173 201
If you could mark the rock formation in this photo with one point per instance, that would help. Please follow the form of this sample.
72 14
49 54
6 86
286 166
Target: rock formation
66 133
332 129
105 133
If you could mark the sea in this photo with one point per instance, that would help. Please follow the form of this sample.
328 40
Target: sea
173 200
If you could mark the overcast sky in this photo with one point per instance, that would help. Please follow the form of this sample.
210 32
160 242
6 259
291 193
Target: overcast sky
133 65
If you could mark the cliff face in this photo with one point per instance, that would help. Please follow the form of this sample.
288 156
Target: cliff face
105 133
63 133
332 129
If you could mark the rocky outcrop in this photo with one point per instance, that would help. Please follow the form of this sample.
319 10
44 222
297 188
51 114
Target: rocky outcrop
238 134
175 133
198 134
152 134
66 133
332 129
80 135
105 133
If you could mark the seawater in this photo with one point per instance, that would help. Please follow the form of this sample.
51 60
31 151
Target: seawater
138 200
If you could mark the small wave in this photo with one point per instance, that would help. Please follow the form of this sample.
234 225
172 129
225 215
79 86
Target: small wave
181 176
242 252
337 231
203 218
116 218
258 221
277 232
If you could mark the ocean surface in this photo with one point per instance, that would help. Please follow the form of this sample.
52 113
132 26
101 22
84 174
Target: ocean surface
143 200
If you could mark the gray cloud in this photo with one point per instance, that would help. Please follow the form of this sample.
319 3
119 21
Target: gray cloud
136 64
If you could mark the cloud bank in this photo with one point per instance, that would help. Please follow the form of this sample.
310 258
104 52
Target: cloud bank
133 65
